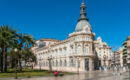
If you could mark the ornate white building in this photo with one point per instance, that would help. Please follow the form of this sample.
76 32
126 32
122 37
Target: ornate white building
79 52
103 52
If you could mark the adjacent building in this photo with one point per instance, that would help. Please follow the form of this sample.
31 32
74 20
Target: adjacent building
103 52
118 57
121 57
126 51
79 52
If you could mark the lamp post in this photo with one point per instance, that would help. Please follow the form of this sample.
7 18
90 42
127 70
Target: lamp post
15 50
40 63
50 66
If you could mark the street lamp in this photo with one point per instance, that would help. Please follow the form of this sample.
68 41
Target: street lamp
40 63
15 50
50 66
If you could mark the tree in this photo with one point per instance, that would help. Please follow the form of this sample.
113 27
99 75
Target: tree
11 39
7 36
25 40
1 61
28 56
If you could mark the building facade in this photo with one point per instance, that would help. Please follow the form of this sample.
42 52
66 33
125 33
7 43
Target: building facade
118 58
103 52
126 51
76 53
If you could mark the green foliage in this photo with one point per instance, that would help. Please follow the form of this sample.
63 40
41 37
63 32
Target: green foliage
10 39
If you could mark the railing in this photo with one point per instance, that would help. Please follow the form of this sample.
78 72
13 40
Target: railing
128 51
128 61
128 56
124 43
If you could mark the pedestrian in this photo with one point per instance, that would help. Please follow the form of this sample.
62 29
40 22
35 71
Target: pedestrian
56 73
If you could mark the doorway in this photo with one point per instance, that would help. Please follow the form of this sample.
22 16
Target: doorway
87 64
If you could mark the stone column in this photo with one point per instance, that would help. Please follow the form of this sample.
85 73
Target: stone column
102 62
77 65
83 63
90 64
82 47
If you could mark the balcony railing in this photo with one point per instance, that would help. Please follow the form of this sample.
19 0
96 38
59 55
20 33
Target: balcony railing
128 56
124 43
125 49
128 61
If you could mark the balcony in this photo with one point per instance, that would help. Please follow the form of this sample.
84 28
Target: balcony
128 61
84 55
128 56
125 52
125 49
128 51
124 57
124 43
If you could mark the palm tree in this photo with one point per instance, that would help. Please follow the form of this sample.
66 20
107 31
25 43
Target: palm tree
7 36
28 56
1 61
24 40
12 59
9 40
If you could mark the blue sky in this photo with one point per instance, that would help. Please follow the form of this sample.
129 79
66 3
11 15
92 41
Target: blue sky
109 19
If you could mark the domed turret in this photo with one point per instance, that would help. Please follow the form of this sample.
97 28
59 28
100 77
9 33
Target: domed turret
83 24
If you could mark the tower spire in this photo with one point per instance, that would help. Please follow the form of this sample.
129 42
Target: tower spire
83 12
82 1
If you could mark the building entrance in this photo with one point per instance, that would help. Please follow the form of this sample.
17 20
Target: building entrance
86 64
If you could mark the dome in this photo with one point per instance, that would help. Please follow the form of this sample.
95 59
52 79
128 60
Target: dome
99 38
81 25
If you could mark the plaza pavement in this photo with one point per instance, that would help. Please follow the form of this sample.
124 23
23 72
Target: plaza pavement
95 75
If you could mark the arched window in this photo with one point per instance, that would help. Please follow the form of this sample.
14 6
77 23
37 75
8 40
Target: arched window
46 63
86 49
79 49
85 38
53 63
72 49
56 63
60 62
65 63
79 38
72 62
87 30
